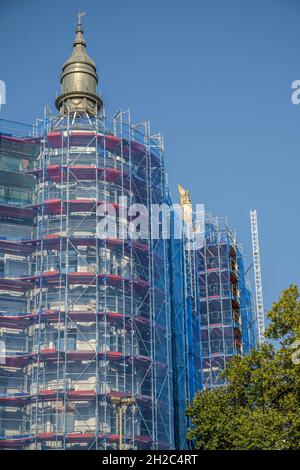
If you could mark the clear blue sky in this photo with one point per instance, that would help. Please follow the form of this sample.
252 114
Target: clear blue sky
213 76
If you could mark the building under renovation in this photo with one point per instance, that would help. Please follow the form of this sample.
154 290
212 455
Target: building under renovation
213 318
104 340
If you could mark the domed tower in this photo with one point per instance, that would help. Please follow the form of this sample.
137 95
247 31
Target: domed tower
79 80
94 364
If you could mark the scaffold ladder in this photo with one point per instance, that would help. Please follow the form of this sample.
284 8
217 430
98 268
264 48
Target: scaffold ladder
257 278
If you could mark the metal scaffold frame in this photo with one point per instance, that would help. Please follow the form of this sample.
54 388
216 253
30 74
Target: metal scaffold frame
98 318
225 302
212 279
260 312
91 324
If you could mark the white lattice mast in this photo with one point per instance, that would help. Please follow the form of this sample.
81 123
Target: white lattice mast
257 278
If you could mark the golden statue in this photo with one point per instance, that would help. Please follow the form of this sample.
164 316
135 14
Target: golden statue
186 203
184 196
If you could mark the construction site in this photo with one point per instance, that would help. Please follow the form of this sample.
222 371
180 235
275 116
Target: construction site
105 340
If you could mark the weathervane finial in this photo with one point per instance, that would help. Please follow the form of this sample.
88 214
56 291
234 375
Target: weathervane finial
80 15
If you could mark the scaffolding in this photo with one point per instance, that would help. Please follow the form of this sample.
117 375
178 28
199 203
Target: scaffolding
94 321
209 287
91 323
186 329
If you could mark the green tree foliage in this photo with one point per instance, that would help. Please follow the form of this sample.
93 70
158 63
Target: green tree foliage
260 406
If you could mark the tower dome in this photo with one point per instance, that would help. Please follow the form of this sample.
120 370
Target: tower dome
79 80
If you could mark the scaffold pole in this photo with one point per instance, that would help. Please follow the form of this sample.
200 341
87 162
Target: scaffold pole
257 277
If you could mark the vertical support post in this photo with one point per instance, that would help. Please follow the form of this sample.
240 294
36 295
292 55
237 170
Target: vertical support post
257 278
120 427
97 270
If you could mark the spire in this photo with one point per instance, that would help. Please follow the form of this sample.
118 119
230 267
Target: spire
79 79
